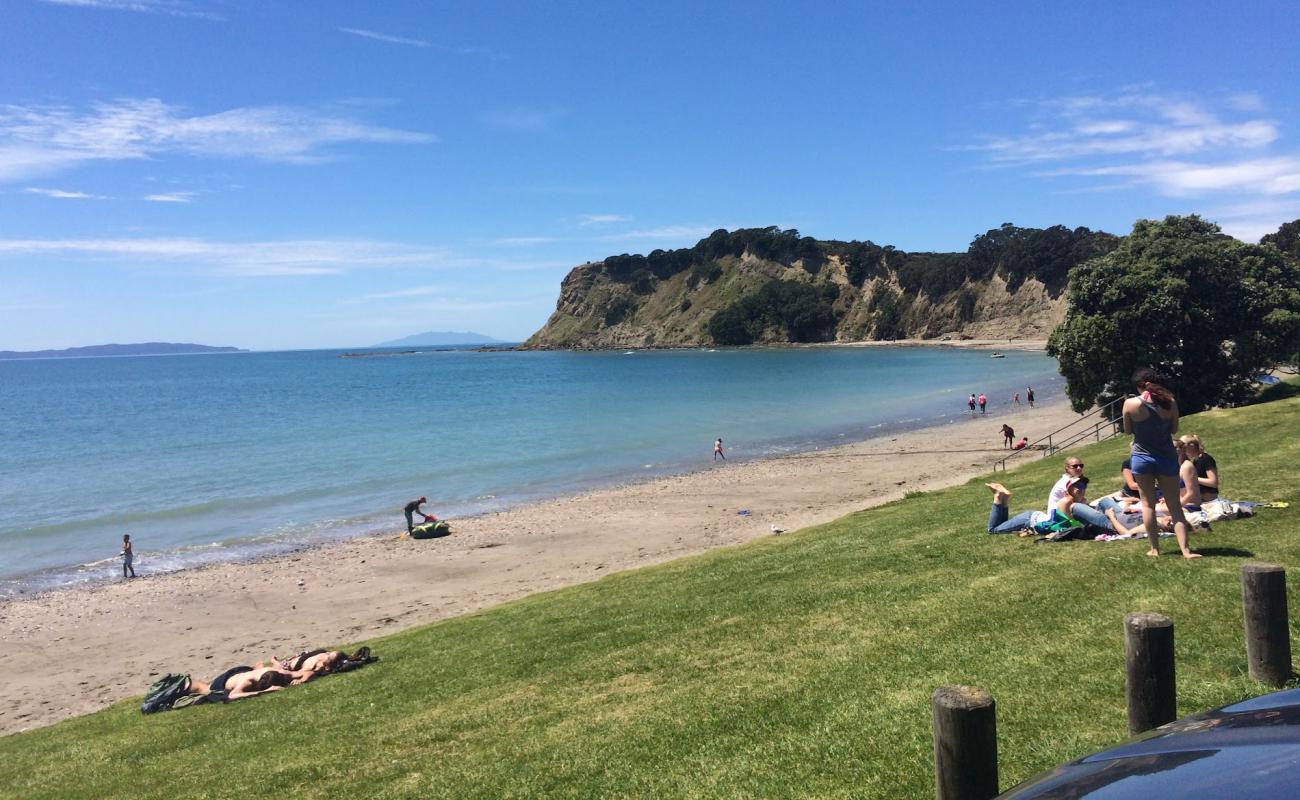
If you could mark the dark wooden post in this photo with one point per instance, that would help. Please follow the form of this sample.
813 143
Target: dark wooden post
965 743
1268 636
1149 670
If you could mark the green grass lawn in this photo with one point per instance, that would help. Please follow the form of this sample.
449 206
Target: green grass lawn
799 665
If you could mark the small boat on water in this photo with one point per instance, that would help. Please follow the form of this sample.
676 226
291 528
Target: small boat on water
997 355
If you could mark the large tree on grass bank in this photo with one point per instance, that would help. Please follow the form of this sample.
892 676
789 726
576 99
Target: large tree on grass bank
1180 296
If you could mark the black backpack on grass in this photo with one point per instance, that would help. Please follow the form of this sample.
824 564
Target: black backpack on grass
164 693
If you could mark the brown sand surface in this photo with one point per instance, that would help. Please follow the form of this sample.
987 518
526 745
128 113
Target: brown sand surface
74 651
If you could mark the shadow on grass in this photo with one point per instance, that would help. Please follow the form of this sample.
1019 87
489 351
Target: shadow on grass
1224 552
1278 391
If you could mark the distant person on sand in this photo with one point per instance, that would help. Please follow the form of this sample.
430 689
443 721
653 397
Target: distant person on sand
412 508
1015 399
1008 435
717 451
1029 395
128 556
971 402
984 401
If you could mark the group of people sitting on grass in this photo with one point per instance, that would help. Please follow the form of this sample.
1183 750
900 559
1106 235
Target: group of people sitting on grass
1119 513
1165 479
236 683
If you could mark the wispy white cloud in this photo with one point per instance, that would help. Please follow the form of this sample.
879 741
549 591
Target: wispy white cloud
1141 139
62 194
171 197
291 257
524 119
385 37
172 8
1252 220
414 291
587 220
666 232
528 241
272 258
1267 176
42 139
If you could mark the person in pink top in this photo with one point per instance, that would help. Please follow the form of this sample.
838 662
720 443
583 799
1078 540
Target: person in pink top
984 401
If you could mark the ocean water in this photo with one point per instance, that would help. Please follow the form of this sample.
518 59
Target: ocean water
216 457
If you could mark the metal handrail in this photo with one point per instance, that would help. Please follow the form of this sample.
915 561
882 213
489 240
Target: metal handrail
1094 431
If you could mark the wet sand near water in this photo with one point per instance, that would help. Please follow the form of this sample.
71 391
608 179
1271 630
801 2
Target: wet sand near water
75 651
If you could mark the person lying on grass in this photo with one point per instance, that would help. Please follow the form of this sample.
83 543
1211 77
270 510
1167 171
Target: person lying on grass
1073 496
239 682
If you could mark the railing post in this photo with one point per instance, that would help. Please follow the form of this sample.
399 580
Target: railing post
1268 636
1149 671
965 743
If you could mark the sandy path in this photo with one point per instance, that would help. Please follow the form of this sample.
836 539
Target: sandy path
72 652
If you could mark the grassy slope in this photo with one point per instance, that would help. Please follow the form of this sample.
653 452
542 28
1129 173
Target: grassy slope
794 666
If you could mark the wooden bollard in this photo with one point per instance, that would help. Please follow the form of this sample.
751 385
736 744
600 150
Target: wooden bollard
1268 636
965 743
1149 671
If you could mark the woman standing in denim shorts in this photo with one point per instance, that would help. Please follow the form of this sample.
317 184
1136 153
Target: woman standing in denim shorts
1152 418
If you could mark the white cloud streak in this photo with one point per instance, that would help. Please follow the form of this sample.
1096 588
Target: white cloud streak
253 259
168 7
384 37
62 194
42 139
588 220
170 197
1176 147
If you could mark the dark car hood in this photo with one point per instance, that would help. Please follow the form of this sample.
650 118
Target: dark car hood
1247 749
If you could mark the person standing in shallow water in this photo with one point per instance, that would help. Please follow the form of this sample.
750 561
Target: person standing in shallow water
1029 395
970 402
984 401
717 451
128 556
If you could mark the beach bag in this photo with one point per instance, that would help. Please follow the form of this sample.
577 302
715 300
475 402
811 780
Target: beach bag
1059 528
164 693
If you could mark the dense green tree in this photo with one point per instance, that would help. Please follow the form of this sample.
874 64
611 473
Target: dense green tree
800 311
1287 239
1180 296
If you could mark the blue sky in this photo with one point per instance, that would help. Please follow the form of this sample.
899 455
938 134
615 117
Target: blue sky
278 175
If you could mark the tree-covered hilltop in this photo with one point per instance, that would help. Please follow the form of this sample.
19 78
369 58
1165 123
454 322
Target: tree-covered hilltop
769 285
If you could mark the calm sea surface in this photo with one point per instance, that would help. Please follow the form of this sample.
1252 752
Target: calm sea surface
215 457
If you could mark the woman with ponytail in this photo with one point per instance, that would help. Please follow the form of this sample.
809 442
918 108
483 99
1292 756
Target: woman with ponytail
1152 418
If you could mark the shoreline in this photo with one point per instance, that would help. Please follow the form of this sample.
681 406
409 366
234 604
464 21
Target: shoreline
204 619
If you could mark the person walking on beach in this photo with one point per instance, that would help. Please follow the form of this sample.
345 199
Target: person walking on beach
1029 395
128 557
1008 435
984 401
412 508
971 402
1152 419
717 451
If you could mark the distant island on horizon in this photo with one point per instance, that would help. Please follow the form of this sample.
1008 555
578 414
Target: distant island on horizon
106 350
440 339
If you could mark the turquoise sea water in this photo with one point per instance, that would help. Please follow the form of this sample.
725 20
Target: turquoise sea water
214 457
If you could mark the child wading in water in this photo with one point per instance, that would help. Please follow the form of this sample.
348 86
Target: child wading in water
127 556
717 451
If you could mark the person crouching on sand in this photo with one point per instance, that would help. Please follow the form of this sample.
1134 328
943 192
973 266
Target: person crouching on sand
1008 435
411 509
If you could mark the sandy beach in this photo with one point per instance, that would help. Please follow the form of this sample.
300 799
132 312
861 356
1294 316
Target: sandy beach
72 652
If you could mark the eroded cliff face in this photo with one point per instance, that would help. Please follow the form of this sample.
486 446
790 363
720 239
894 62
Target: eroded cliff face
596 311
